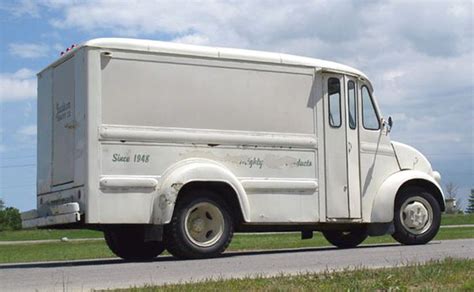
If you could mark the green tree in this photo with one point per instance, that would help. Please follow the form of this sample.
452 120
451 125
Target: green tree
10 218
470 204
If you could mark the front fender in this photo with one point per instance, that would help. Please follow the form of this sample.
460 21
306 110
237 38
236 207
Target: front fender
192 170
384 202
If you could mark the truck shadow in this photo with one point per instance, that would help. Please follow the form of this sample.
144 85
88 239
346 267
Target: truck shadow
169 258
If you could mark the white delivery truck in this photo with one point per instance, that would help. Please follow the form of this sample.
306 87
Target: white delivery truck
172 146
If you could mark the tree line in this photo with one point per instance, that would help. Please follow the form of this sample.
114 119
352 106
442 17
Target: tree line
10 218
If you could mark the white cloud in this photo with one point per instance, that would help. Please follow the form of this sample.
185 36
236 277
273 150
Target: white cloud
31 8
3 147
20 85
28 131
26 136
192 39
28 110
24 73
22 7
28 50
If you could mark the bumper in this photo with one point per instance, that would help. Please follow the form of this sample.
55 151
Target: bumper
60 214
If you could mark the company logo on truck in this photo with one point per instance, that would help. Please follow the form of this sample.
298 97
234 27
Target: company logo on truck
63 110
256 162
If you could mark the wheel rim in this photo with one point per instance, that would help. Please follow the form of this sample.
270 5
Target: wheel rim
204 224
416 215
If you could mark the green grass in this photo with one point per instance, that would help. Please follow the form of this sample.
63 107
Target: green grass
457 219
446 275
42 234
54 251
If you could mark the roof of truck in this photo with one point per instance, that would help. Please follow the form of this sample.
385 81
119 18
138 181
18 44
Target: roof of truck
216 52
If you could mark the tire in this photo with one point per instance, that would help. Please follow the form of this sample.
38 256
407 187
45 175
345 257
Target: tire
423 224
128 243
201 226
346 239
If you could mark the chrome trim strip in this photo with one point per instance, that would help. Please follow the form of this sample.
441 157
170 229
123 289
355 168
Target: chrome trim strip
202 136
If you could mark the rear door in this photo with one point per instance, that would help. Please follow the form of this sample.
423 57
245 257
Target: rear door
63 123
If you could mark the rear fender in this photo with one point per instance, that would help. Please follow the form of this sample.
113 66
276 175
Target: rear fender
194 170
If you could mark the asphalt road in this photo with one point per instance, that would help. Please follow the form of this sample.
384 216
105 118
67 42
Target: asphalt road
114 273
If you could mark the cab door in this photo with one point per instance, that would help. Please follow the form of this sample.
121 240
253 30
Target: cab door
353 154
341 140
337 203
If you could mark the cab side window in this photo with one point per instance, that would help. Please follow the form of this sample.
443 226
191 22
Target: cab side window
334 93
351 104
370 120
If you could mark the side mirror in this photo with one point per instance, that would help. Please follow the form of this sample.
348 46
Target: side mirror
387 124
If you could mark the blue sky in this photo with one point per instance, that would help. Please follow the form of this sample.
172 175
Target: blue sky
419 57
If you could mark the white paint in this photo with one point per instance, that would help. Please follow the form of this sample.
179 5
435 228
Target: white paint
150 117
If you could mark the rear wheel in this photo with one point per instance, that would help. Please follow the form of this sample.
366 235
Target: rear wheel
417 216
346 239
201 226
129 244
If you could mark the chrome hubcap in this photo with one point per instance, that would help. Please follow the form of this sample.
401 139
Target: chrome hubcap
416 215
204 224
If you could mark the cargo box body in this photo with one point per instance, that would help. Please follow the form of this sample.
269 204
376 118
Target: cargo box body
121 119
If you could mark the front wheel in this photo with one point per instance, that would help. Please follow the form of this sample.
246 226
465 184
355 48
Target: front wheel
417 216
201 226
346 239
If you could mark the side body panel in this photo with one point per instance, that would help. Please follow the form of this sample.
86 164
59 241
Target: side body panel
249 125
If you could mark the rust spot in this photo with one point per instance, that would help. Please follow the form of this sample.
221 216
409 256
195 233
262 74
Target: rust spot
163 202
177 186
